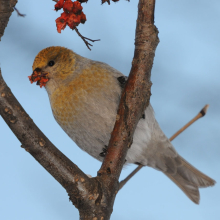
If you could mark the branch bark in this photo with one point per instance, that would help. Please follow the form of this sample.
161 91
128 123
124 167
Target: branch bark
94 197
136 95
6 8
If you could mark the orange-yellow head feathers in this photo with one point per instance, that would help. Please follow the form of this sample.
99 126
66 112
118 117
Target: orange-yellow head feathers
52 62
56 54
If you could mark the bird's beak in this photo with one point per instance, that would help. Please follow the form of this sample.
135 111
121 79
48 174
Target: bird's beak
39 76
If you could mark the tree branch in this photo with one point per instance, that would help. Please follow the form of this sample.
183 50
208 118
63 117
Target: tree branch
6 8
136 95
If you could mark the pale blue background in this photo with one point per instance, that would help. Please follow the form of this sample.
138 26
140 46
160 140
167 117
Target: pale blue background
185 77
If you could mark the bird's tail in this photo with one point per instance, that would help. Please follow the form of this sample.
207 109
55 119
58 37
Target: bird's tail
189 179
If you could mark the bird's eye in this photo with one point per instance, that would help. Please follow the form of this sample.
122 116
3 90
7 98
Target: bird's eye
51 63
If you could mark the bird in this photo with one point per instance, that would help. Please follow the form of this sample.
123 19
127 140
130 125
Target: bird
84 96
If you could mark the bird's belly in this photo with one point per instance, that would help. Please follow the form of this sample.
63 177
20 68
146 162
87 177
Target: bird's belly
90 127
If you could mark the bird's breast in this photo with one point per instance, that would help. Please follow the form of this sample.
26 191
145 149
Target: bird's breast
70 99
86 108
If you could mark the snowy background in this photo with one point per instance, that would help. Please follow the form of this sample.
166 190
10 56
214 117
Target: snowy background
185 77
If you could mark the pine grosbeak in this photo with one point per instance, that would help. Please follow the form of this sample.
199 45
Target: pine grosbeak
84 97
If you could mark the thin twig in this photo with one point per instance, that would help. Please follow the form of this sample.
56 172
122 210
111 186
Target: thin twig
123 182
199 115
86 39
19 14
108 1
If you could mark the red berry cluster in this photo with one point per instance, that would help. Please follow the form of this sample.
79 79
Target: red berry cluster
72 15
40 78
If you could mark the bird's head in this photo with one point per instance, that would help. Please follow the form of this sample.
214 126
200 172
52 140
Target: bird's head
52 64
